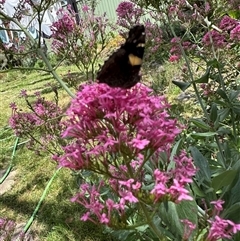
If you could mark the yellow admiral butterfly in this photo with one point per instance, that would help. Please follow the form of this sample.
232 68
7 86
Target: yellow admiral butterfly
123 66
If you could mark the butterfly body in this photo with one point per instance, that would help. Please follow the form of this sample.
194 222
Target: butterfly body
123 66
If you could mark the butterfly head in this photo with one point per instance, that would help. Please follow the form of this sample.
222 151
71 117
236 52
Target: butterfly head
136 36
135 45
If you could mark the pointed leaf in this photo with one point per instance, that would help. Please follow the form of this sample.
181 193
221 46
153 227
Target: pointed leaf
174 213
203 135
224 179
213 112
205 77
233 95
234 14
201 124
202 164
223 114
222 94
182 85
176 148
233 212
214 63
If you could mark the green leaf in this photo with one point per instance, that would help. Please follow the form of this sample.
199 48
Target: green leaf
182 85
213 112
223 114
205 77
201 135
223 180
174 213
233 212
234 14
201 163
224 130
176 148
222 94
232 195
213 63
201 124
236 108
233 95
197 190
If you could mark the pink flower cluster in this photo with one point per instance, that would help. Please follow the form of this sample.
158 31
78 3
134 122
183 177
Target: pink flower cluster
81 43
171 184
43 115
6 228
235 33
231 33
64 26
125 193
221 228
175 50
227 23
128 14
114 132
62 30
105 210
214 38
104 119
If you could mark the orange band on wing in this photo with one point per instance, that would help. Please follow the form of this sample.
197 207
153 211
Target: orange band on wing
134 60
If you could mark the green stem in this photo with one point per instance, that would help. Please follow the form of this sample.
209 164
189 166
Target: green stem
233 117
11 163
30 221
53 72
190 74
151 223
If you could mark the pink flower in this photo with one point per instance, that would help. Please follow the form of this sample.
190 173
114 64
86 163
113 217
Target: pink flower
188 228
174 58
124 9
178 192
227 23
222 228
214 38
140 144
128 14
85 8
235 33
128 196
85 216
218 205
104 219
171 183
23 93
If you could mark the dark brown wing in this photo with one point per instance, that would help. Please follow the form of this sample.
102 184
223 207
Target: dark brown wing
122 68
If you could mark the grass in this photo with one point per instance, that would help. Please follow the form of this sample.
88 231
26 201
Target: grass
58 218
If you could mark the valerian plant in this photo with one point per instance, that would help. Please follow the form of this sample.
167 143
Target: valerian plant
40 125
136 175
209 45
126 138
81 44
142 182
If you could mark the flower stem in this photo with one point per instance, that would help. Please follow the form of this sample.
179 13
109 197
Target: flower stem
30 221
151 224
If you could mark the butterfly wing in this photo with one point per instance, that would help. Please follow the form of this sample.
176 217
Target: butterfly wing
122 68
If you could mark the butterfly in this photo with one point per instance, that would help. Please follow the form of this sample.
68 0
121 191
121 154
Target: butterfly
123 66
